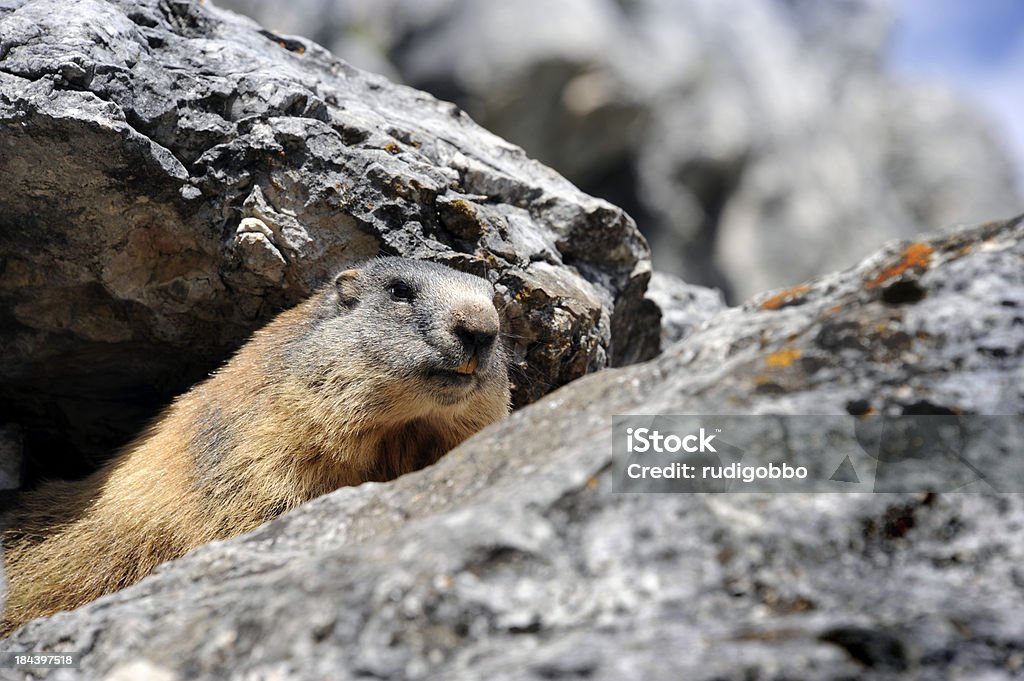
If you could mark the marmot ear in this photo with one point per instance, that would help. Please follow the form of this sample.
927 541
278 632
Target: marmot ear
345 283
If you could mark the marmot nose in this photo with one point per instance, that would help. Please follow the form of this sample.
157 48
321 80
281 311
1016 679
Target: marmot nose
474 324
474 338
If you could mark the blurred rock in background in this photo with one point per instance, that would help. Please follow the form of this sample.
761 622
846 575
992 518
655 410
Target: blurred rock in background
684 307
756 143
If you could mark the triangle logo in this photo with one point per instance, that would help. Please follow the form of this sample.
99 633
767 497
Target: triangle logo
845 472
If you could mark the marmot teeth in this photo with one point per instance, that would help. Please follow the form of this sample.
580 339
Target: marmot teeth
468 367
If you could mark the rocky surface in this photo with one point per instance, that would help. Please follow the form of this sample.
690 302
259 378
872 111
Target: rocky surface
756 143
512 559
683 306
175 174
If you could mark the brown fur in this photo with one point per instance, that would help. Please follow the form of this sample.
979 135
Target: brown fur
283 422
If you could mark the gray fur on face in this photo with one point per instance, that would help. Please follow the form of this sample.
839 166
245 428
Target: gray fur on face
412 321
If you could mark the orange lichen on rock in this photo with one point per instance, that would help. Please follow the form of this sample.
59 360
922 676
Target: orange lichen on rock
785 297
780 359
915 255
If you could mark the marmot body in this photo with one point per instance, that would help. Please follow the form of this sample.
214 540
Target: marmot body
379 373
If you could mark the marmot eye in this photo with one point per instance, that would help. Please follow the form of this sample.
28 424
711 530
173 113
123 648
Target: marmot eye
400 290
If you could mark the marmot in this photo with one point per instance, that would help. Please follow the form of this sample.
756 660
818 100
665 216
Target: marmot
379 373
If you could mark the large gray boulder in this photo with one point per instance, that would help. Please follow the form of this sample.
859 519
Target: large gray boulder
512 559
757 143
175 174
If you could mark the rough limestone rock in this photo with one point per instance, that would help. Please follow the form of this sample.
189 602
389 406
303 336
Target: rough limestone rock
683 306
756 143
175 174
512 559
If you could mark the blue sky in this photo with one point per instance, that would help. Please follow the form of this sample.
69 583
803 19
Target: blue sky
976 47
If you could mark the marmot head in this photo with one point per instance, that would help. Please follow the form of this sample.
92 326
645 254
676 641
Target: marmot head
419 335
